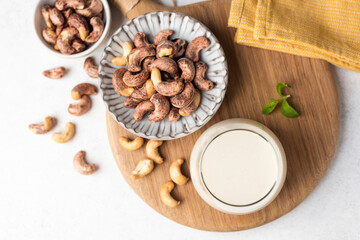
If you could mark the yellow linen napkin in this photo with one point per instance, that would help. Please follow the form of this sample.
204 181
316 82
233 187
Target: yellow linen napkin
325 29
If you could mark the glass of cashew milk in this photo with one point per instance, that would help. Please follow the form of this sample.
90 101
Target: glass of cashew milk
238 166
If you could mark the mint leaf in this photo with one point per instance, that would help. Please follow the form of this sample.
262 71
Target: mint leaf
279 88
288 110
268 108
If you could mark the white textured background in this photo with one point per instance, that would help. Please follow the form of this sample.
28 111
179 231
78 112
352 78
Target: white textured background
42 197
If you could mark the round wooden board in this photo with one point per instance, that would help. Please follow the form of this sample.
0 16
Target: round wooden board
309 140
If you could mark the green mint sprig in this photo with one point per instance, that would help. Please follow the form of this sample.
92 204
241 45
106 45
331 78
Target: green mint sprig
286 109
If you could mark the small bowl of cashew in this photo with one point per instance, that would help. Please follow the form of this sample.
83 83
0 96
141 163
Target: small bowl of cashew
72 28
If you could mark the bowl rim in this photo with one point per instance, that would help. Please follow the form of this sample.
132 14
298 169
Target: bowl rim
106 9
182 134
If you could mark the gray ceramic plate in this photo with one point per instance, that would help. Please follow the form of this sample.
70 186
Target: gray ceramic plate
184 27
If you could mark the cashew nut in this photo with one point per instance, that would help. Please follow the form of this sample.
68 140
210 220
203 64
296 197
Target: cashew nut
81 165
45 11
143 168
165 194
67 12
200 81
83 89
131 103
166 64
141 40
162 35
195 46
175 172
63 41
165 88
146 64
188 69
81 25
55 73
135 79
145 92
165 48
180 47
49 35
90 68
186 111
81 108
64 4
66 135
174 115
152 151
131 145
136 56
162 108
59 29
78 45
44 127
98 29
119 86
185 97
142 108
121 61
56 17
92 8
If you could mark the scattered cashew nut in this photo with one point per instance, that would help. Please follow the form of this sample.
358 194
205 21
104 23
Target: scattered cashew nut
83 89
131 145
195 46
152 151
142 108
81 108
66 135
44 127
200 81
55 73
90 68
121 61
165 196
143 168
175 172
81 165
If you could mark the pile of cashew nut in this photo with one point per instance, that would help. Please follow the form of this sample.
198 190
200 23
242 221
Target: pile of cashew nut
80 92
146 165
164 77
73 25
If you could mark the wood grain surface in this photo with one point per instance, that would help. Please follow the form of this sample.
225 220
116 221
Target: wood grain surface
309 140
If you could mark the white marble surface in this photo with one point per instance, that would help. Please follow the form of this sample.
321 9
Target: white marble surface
42 197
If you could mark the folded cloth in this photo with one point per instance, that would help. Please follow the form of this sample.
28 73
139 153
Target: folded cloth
325 29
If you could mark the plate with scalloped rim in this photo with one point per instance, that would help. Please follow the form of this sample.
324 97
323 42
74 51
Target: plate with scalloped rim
184 27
